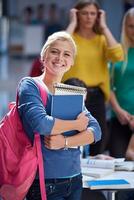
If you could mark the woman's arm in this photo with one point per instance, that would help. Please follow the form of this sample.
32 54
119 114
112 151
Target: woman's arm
90 135
122 115
73 21
111 41
59 141
34 115
79 124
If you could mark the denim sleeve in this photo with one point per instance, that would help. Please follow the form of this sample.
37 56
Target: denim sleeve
31 109
94 126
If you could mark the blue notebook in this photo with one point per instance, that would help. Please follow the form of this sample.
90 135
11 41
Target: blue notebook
108 184
67 107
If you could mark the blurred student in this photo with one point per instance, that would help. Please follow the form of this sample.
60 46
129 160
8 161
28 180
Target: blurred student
40 15
122 94
36 68
51 26
96 46
28 13
53 23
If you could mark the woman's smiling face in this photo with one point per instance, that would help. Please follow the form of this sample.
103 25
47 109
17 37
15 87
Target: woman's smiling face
59 57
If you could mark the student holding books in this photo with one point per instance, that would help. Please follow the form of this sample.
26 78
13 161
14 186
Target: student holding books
61 161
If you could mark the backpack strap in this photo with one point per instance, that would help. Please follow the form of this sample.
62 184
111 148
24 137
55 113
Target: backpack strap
37 142
43 94
41 168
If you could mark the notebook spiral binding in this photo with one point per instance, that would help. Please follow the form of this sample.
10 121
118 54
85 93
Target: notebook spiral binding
61 88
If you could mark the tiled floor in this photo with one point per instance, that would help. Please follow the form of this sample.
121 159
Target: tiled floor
12 69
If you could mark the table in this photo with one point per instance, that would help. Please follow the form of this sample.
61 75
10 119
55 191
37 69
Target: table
129 176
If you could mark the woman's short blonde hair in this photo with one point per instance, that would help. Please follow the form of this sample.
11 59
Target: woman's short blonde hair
61 35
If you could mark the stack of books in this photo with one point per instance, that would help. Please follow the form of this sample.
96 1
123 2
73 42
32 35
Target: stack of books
99 168
67 103
96 172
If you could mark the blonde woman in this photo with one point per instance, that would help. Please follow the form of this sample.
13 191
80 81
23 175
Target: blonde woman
61 161
122 94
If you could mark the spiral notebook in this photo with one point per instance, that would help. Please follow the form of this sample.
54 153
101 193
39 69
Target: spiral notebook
67 103
62 89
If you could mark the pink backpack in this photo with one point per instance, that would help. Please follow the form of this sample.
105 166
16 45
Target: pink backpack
19 160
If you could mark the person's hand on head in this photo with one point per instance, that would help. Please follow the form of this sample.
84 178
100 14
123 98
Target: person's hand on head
102 19
73 17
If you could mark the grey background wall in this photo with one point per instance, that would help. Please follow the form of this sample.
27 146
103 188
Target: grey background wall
114 9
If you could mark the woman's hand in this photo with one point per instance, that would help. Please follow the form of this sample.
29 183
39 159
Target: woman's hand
54 142
73 21
73 16
123 116
102 19
102 157
83 121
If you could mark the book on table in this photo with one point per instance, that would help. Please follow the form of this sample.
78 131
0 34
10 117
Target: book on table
96 172
125 166
108 184
102 163
67 103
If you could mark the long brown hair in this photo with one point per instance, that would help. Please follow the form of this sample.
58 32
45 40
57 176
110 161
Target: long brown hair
83 3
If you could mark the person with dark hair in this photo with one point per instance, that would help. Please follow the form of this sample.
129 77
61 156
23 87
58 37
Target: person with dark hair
128 4
96 46
86 193
53 23
28 15
75 82
40 15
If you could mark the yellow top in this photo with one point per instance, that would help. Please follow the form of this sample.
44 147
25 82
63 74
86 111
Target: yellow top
91 62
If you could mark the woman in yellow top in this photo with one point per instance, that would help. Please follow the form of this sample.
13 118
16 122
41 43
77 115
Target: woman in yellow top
96 46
